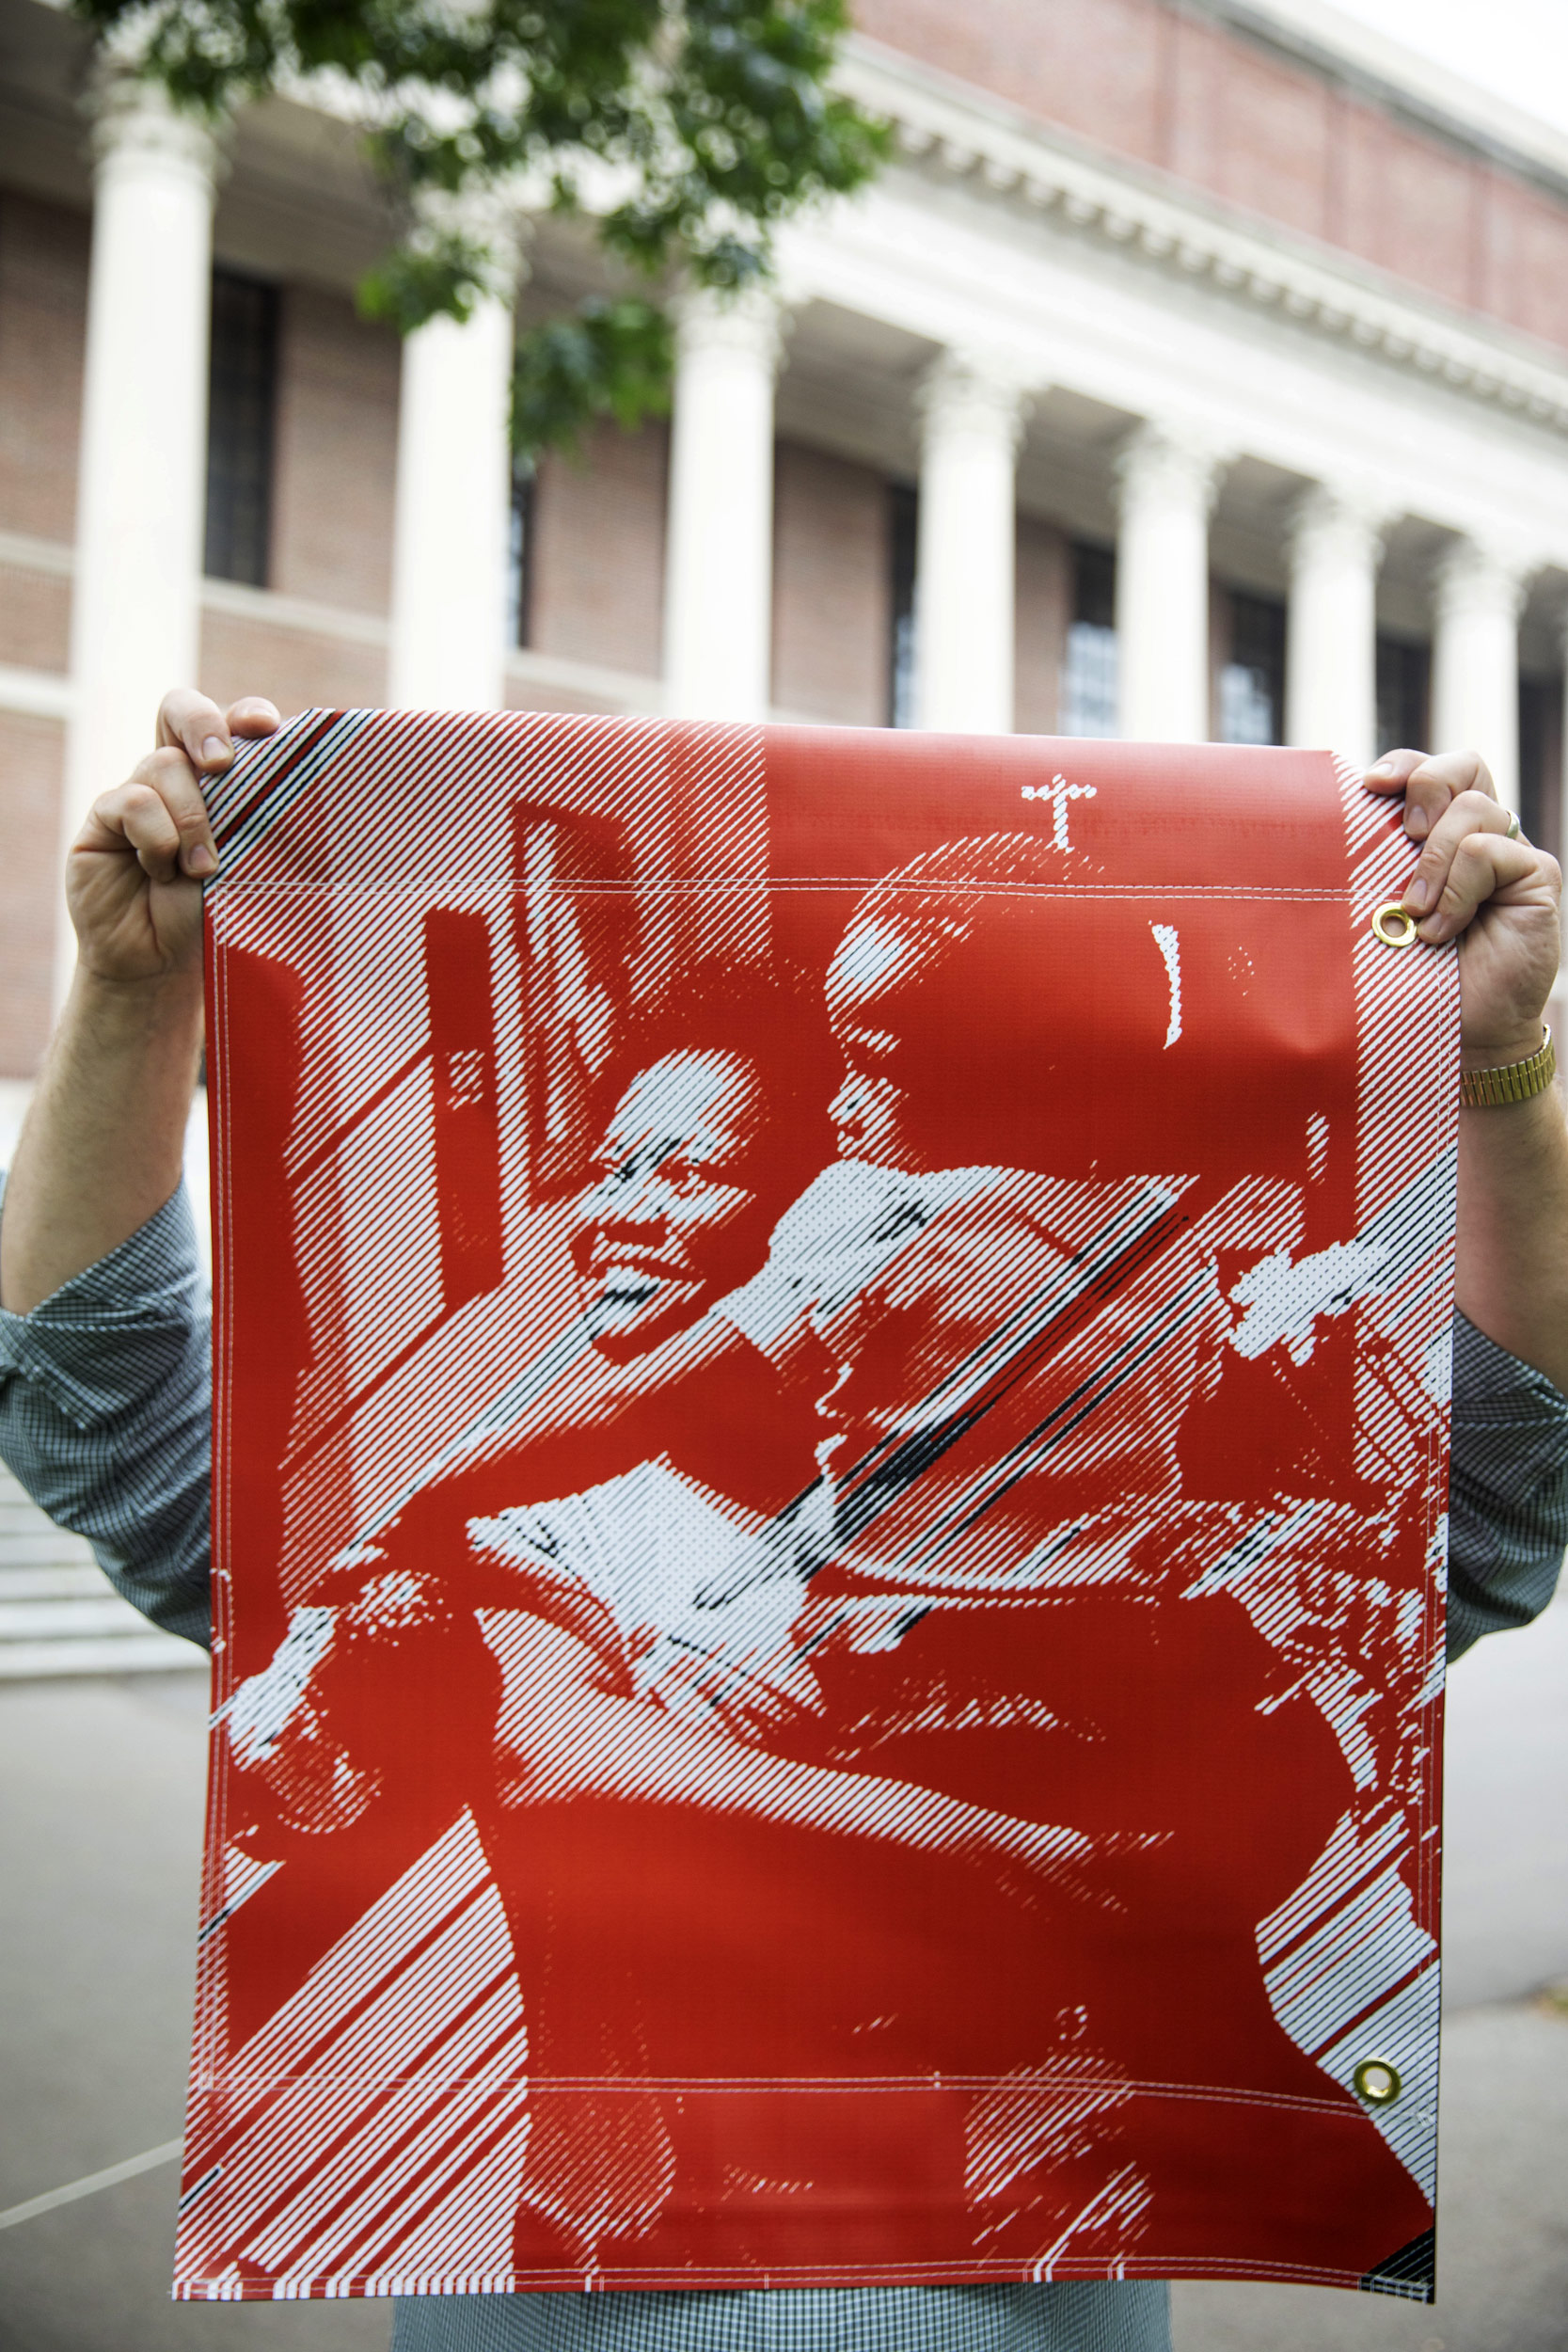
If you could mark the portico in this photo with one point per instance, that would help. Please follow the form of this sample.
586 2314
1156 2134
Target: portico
1012 273
1071 447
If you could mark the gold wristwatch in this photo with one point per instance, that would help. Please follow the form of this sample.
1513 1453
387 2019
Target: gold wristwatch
1513 1082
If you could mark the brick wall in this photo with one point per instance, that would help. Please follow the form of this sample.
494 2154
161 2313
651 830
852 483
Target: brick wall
831 588
1525 241
1098 67
35 618
335 454
1146 80
1411 208
32 754
1240 124
295 669
1044 607
598 552
43 309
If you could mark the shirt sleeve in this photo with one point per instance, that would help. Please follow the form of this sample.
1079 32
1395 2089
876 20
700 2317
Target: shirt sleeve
1508 1490
106 1416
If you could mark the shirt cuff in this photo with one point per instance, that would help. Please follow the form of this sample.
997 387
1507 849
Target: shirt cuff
1508 1490
84 1346
1508 1411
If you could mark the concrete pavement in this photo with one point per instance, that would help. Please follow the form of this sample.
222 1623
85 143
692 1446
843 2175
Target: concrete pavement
100 1835
99 1840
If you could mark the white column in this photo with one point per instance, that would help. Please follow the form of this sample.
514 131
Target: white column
719 563
142 479
1167 483
1336 542
966 559
452 531
1475 658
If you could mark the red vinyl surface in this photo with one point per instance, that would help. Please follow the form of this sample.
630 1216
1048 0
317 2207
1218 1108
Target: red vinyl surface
831 1450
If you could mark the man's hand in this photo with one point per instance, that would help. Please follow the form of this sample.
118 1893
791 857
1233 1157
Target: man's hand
134 873
101 1147
1499 899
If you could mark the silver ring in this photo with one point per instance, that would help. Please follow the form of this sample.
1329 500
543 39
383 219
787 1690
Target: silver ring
1513 825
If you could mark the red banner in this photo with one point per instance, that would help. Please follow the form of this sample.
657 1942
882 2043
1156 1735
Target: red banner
829 1497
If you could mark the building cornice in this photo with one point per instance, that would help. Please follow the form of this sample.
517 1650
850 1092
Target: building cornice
947 130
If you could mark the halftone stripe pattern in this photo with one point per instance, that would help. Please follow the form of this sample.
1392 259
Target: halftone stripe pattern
522 2063
389 1354
374 2131
376 2127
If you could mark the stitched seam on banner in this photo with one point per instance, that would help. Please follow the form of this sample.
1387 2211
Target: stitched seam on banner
242 2086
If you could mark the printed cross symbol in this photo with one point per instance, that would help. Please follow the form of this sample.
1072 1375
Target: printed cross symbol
1058 792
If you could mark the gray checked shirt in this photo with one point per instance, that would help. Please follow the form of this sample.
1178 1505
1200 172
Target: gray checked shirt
106 1420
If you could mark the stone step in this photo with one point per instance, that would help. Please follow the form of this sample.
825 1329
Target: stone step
59 1614
46 1584
37 1546
17 1514
147 1652
61 1620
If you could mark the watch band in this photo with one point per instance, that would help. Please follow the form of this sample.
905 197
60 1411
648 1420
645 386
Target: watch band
1511 1082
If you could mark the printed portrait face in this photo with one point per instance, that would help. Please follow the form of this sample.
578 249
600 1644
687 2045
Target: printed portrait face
874 964
671 1219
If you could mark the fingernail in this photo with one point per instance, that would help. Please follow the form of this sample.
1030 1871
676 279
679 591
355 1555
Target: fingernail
201 861
1418 895
1416 823
215 751
1380 768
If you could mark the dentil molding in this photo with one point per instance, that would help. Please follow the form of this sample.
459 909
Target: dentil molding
944 129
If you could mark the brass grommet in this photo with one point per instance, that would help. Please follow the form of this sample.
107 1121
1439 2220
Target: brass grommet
1377 2081
1393 913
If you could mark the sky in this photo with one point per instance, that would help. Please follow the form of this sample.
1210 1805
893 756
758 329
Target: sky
1516 49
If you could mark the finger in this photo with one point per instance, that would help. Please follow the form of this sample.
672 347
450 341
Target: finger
1425 797
1483 864
169 775
253 715
1460 772
1428 782
1472 813
1390 771
166 774
191 722
1436 783
138 817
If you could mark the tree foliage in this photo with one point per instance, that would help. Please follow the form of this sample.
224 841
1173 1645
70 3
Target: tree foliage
685 129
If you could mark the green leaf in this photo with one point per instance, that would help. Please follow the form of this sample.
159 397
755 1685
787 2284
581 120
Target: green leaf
607 359
443 278
718 112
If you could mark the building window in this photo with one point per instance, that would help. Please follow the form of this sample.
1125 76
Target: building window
519 616
1404 679
903 535
1089 683
242 397
1252 683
